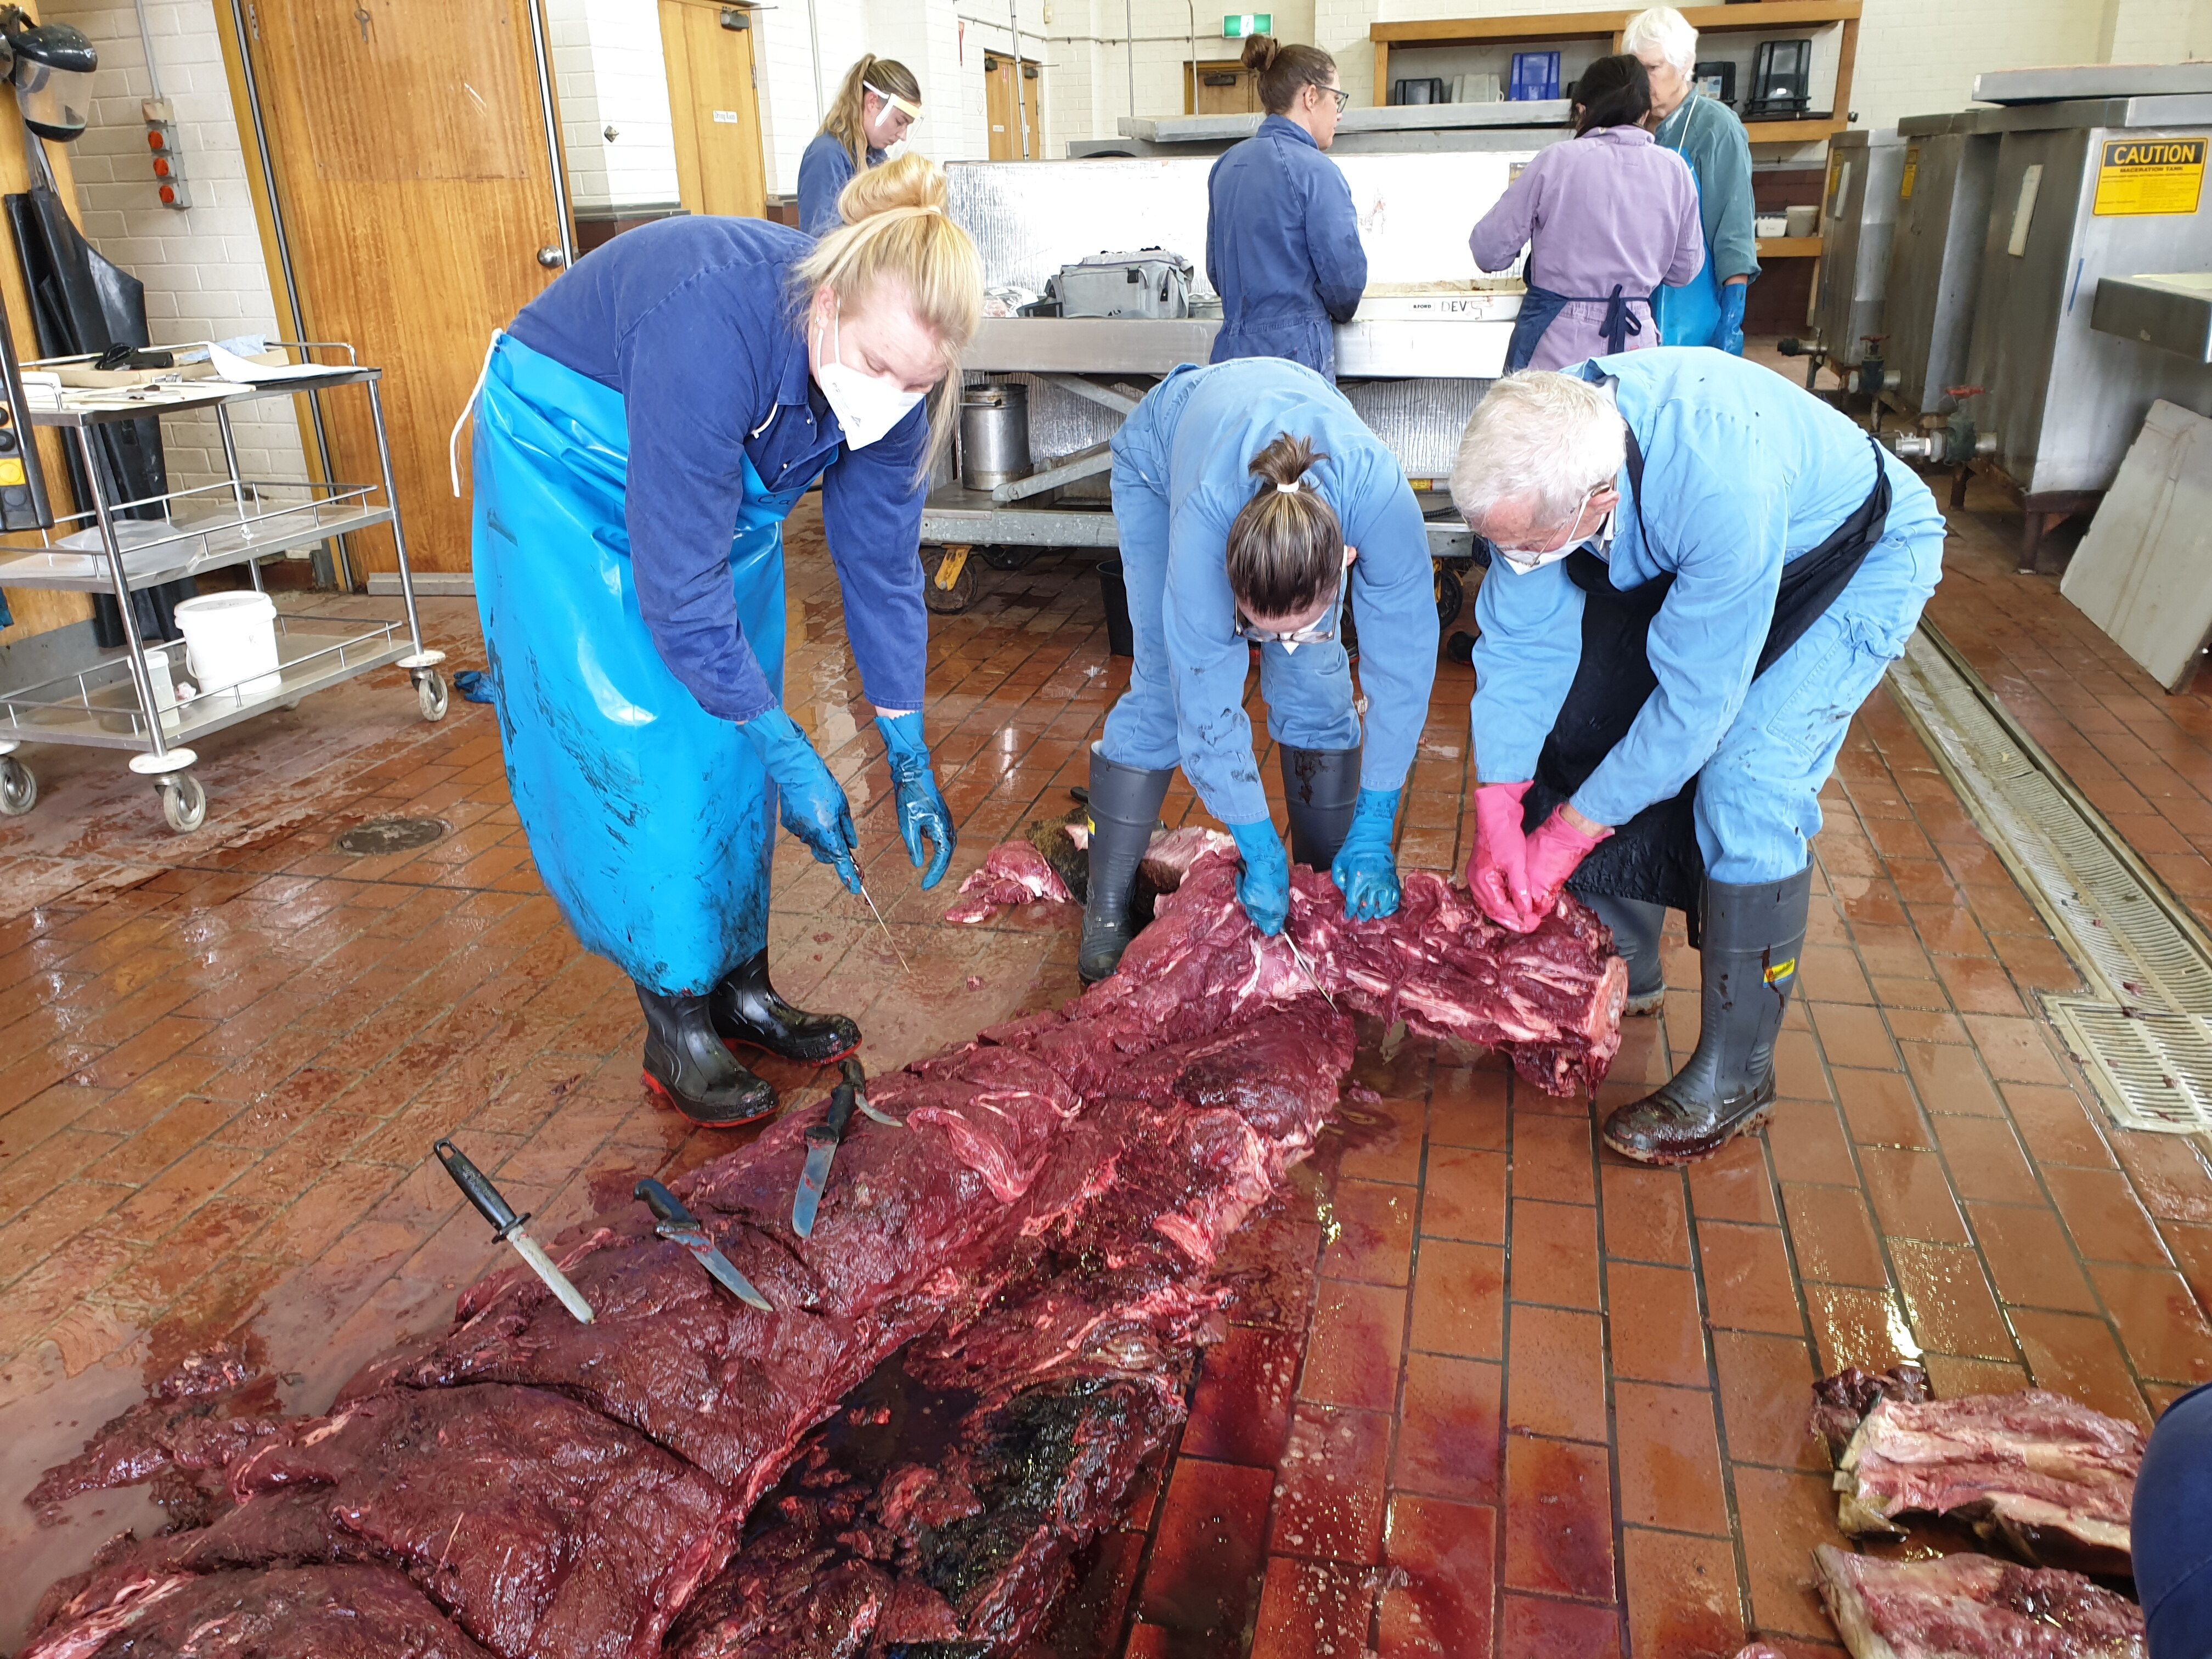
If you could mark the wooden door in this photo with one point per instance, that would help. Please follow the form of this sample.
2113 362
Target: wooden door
714 101
1006 114
408 142
1223 88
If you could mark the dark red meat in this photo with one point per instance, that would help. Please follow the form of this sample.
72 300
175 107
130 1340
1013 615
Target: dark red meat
200 1416
1012 872
1970 1607
1841 1402
288 1612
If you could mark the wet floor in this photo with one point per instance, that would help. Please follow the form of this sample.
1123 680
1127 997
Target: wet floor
1490 1389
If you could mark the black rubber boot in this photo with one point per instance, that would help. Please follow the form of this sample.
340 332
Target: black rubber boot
1320 788
746 1010
692 1068
1636 926
1753 935
1125 809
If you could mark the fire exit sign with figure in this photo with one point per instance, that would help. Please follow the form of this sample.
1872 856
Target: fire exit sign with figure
1241 24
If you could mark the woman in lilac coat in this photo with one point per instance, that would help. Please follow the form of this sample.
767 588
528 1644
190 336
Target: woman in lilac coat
1608 217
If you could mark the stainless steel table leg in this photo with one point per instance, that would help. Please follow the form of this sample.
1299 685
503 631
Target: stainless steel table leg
142 677
237 484
391 500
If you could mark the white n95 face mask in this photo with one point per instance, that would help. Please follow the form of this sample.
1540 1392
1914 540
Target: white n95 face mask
866 408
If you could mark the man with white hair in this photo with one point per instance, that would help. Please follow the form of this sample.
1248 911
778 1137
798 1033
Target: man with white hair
1708 309
1697 574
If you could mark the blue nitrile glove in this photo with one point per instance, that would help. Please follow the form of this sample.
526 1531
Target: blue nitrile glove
1730 338
1264 884
814 806
921 808
1365 871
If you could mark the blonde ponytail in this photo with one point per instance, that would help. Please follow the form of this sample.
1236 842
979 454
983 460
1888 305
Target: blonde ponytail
896 230
847 121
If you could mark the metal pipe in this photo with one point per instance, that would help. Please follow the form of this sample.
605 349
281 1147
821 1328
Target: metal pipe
339 574
146 39
141 676
814 49
550 111
1191 6
1021 108
391 500
1129 50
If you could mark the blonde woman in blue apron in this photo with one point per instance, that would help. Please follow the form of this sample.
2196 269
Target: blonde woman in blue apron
642 430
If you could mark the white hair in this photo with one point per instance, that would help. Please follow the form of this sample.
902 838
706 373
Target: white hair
1666 30
1538 436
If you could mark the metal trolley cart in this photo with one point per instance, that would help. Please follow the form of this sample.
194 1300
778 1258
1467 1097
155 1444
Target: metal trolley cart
128 699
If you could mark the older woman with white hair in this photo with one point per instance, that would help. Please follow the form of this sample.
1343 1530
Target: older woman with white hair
1697 572
1707 309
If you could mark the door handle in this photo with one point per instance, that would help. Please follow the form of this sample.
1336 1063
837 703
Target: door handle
551 257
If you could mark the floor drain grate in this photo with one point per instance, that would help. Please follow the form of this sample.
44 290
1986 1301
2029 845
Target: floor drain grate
2143 1034
392 835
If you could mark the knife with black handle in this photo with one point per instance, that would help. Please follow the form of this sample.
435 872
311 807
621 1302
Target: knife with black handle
507 1226
677 1225
822 1140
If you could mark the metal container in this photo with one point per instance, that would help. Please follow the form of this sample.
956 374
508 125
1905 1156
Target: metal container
1943 189
995 435
2109 188
1858 211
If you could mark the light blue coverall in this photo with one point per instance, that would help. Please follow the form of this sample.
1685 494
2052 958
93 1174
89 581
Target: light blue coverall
1282 248
1742 472
1181 477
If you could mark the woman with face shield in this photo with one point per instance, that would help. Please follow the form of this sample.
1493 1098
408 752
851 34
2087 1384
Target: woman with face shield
879 101
642 430
1255 509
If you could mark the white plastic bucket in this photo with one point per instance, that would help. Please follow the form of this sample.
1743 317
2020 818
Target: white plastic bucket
232 638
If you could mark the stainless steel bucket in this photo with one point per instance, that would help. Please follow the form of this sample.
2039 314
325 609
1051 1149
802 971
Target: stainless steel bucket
995 435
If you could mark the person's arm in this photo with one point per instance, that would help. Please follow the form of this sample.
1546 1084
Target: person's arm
1393 589
1530 643
1501 234
1689 229
692 372
1717 504
1725 169
872 513
1209 662
1339 262
1215 212
824 170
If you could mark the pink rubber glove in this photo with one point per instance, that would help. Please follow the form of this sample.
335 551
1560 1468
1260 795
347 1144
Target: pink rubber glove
1555 852
1498 872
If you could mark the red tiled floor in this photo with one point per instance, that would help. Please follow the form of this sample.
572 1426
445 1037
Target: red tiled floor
1484 1389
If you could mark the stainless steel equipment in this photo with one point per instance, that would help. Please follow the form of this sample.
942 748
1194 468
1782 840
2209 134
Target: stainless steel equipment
2172 312
2084 191
1396 130
1858 213
1945 177
995 435
2078 81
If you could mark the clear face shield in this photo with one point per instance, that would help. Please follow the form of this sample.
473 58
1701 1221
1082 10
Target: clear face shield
52 73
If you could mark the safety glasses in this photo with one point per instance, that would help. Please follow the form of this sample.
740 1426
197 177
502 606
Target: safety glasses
1342 97
1318 633
1525 559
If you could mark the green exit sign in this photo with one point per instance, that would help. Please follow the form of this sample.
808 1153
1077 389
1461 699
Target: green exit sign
1241 24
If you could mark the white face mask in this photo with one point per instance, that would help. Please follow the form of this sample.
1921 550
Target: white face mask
1523 560
865 407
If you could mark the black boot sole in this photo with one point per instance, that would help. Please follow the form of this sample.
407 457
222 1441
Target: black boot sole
706 1117
735 1043
1751 1120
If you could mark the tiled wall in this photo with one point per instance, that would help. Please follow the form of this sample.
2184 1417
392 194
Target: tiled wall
204 271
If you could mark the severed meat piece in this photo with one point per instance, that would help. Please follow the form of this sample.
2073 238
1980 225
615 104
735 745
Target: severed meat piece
204 1413
1841 1402
1053 862
1970 1607
1012 872
2048 1476
286 1612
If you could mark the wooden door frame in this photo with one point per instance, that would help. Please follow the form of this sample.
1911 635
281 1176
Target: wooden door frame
1030 118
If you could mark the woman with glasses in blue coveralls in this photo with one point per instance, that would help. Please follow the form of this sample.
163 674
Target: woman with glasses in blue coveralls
1253 505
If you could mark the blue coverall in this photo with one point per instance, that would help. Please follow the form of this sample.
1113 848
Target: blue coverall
2172 1527
1282 248
824 169
1742 472
1181 477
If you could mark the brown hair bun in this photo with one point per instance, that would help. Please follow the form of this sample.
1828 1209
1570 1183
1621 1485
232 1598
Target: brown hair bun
1285 548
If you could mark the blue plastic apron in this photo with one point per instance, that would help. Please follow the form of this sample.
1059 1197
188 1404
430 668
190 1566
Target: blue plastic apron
652 822
1690 315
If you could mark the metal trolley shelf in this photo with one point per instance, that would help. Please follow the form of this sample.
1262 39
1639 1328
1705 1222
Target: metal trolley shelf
114 702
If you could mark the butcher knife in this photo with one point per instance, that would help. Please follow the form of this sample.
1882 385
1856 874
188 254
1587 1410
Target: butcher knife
507 1226
858 1079
1301 958
822 1140
679 1225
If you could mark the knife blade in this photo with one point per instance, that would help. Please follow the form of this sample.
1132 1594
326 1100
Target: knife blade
679 1226
859 1078
885 926
507 1226
822 1140
1300 957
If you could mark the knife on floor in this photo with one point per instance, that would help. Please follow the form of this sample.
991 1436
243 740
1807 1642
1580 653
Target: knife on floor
507 1226
822 1140
679 1225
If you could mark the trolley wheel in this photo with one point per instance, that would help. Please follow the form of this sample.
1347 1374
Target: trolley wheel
952 586
184 803
19 790
1008 558
430 693
1450 592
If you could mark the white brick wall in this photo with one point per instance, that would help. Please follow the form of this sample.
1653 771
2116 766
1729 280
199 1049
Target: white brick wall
609 72
203 268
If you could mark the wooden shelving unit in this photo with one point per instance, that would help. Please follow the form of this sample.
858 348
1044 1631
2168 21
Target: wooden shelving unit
1789 247
1764 17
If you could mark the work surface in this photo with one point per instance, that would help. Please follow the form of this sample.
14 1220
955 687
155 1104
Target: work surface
1564 1396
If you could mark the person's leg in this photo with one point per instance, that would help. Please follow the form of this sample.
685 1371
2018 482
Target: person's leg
1636 926
1316 729
2172 1529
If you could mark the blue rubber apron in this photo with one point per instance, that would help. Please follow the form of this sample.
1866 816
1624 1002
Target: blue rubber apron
652 822
1689 315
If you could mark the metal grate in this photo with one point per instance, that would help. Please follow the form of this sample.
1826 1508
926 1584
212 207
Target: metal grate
392 835
2144 1033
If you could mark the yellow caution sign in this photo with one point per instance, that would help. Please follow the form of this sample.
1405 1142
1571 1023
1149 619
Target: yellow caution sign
1912 172
2150 175
11 471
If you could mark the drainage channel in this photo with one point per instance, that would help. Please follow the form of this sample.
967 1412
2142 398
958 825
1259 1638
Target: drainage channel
2143 1032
